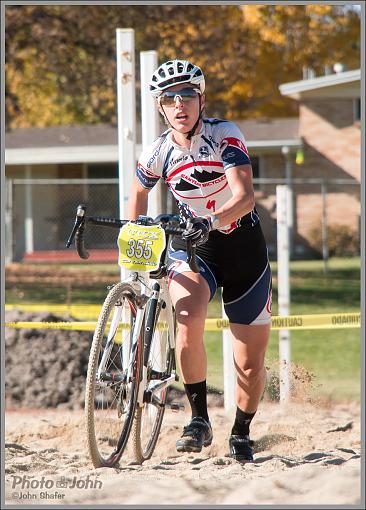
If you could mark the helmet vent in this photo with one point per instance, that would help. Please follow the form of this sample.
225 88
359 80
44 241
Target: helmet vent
171 71
180 67
162 73
189 67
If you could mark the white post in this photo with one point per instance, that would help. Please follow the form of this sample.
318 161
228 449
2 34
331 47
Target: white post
325 250
8 221
125 42
229 367
126 107
150 121
290 207
283 278
28 222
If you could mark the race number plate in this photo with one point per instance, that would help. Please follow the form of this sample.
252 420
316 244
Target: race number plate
140 247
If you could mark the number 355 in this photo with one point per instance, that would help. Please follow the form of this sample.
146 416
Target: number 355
139 248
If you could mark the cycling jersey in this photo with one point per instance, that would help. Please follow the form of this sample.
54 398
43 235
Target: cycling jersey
196 175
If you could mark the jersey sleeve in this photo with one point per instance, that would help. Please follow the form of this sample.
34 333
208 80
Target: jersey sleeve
147 170
233 147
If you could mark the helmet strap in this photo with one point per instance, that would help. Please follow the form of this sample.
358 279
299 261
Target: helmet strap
192 131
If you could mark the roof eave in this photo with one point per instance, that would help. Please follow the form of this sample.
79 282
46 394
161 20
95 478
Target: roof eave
108 153
294 89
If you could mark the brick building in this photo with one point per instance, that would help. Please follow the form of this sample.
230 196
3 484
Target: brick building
327 131
330 129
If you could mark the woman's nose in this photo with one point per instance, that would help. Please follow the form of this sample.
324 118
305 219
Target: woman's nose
178 100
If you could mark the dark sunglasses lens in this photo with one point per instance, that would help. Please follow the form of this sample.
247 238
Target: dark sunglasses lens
168 97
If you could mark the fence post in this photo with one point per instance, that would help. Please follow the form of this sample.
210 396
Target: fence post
126 109
150 122
8 221
325 250
283 278
290 204
28 223
229 367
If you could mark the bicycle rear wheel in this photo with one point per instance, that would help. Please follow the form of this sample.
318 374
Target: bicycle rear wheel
113 378
160 364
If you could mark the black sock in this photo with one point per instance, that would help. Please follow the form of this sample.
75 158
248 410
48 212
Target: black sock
197 396
242 423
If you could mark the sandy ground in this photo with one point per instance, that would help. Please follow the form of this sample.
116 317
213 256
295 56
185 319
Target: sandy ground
304 454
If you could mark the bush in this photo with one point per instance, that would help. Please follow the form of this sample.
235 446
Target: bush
343 241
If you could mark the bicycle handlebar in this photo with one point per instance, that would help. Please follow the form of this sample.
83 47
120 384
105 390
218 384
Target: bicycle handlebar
170 223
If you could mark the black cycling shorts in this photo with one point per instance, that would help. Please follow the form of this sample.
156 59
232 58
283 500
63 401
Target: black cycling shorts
237 262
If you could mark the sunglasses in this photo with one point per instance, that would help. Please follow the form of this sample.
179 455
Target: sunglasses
168 98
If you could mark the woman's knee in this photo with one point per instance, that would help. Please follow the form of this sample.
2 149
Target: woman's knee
251 373
190 332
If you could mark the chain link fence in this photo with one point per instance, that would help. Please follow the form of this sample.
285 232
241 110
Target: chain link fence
39 214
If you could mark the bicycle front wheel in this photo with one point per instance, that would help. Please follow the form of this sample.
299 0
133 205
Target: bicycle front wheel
113 378
160 365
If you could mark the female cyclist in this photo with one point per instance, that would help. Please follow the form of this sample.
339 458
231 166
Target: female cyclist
205 164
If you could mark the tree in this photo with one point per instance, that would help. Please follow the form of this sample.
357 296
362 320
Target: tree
61 67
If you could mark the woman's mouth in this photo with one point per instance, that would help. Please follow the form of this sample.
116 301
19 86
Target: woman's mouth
181 116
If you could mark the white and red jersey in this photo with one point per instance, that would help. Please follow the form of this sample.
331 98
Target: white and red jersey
196 176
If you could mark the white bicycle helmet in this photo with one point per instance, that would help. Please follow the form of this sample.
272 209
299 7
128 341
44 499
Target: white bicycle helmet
176 71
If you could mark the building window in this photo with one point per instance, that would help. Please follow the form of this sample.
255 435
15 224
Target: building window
356 109
103 171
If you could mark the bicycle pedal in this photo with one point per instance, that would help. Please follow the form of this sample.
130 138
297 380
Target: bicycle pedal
176 406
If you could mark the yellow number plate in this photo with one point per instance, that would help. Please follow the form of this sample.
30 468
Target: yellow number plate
140 247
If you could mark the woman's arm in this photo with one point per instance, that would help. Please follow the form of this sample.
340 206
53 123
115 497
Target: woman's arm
137 203
240 180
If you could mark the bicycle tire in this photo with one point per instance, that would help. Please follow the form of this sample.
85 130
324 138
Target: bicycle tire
110 401
144 438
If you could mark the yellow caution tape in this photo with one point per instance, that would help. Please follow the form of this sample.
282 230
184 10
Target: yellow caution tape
76 326
77 311
318 321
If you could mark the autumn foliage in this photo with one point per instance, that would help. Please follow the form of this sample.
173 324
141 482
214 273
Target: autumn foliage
61 62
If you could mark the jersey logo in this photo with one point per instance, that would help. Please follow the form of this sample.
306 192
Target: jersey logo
193 181
203 151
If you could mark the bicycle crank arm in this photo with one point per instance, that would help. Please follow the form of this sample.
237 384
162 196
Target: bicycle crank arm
150 398
163 384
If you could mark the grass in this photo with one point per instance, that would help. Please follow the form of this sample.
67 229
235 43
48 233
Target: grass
331 357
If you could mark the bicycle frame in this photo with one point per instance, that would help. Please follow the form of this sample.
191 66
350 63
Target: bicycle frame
144 292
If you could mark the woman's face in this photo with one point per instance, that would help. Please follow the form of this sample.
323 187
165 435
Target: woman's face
182 115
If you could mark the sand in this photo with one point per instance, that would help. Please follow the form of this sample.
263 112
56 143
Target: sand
305 453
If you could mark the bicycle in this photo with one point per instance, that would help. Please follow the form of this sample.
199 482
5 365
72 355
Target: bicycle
132 357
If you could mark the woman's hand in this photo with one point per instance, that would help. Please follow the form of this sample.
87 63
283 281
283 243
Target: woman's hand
197 230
